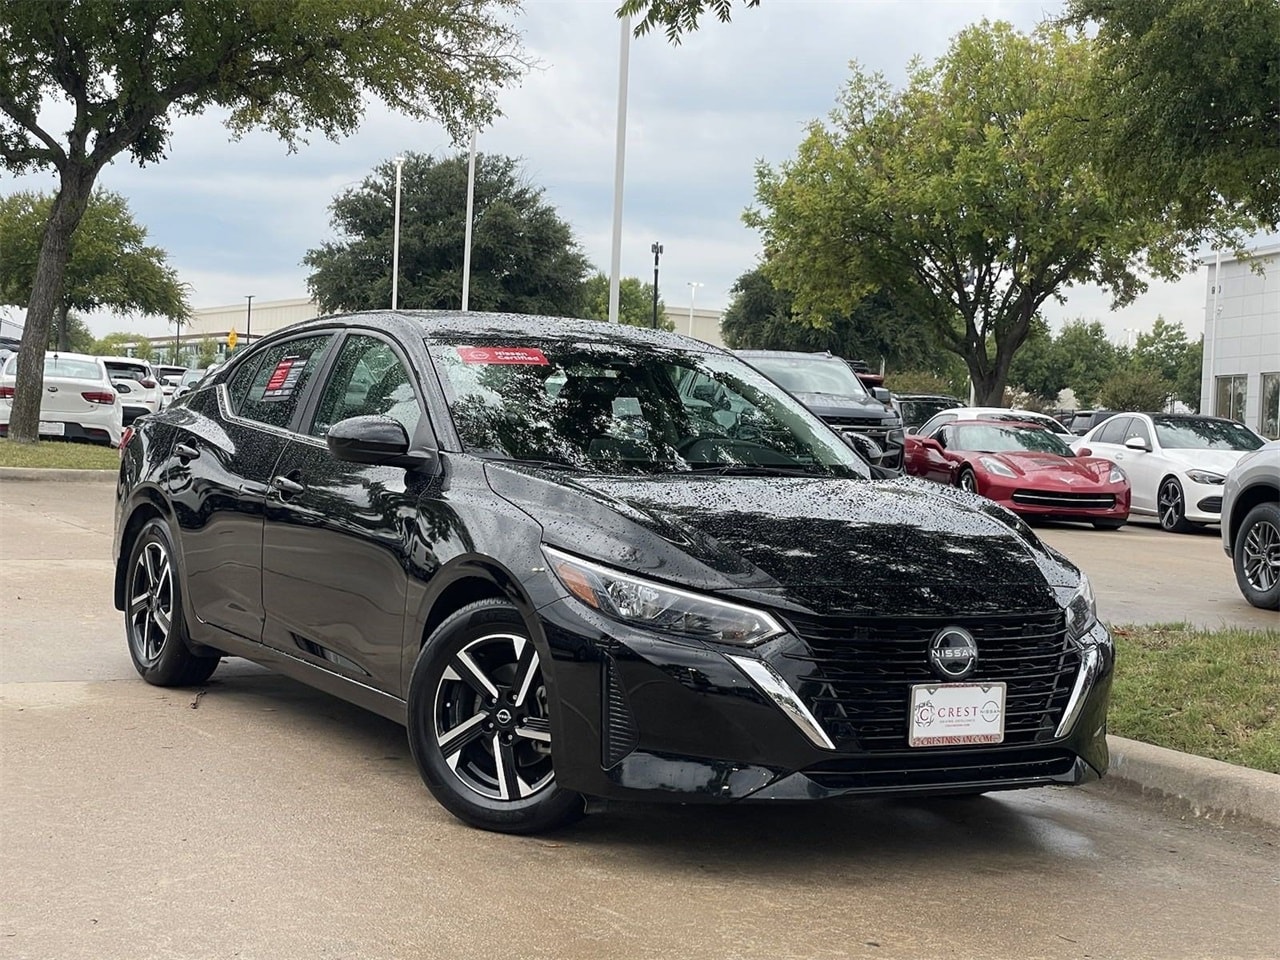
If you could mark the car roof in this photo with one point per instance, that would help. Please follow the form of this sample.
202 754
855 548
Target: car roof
455 324
137 360
68 355
789 354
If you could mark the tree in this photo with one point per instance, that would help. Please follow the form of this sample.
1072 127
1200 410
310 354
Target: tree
207 355
1187 381
524 258
1087 358
635 302
761 316
968 194
109 264
115 343
75 334
1038 367
1187 104
676 17
1135 389
125 69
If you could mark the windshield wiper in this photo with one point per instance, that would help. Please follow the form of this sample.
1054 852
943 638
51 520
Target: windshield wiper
754 470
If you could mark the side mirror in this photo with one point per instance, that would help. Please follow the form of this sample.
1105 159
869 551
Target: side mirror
372 439
881 394
931 443
1084 452
864 446
1137 443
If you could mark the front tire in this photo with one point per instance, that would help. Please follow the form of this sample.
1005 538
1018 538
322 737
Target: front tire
968 480
1256 556
1171 505
480 727
154 622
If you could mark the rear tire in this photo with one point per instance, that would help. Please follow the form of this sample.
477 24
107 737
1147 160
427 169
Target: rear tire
1256 556
479 724
154 620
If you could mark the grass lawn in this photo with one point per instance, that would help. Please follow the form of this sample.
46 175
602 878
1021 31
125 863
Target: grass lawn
1215 693
59 453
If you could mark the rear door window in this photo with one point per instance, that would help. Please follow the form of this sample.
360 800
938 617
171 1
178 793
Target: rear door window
269 391
1113 431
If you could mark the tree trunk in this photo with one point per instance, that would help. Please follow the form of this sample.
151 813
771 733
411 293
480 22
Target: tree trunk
64 334
46 296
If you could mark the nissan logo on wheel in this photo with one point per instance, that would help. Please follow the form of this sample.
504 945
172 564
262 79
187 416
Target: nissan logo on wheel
953 654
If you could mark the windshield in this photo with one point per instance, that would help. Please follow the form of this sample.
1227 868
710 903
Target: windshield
1177 434
811 375
625 408
994 438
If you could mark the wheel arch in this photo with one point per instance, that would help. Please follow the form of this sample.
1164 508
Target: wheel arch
464 581
1245 501
147 504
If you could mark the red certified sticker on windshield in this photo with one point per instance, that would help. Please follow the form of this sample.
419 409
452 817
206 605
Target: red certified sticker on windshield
502 355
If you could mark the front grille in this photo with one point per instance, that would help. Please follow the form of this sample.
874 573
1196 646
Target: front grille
1065 501
862 670
858 422
1210 505
923 768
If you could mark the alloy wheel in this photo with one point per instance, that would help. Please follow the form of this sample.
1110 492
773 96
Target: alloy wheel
151 603
1261 561
1170 504
968 481
490 718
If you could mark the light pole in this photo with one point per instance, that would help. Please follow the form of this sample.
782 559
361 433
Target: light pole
693 293
619 159
657 252
248 319
466 246
395 240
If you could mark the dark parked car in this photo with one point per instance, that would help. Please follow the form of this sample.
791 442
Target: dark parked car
1082 421
829 387
916 408
571 572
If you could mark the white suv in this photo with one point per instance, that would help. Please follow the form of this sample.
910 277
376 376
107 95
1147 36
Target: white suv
1251 524
137 384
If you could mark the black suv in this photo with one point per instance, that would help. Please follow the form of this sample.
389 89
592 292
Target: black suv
1082 421
829 387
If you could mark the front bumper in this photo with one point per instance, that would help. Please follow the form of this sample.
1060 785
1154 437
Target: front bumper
1203 501
642 717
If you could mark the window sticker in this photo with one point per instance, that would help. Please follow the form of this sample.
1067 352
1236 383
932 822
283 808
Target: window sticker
284 379
502 355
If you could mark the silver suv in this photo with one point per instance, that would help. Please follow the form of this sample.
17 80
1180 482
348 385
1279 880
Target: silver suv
1251 524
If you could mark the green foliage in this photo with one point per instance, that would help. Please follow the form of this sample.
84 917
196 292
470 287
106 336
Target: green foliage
968 194
1088 360
114 343
928 382
761 316
110 265
524 258
1134 388
123 70
207 354
1186 102
677 17
635 302
79 337
1186 385
143 350
1038 367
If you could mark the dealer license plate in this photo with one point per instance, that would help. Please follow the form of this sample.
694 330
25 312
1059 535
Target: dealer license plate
52 429
952 714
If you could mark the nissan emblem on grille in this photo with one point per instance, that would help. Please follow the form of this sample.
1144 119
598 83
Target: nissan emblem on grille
953 654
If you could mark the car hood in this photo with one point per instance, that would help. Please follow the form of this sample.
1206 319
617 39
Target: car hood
1218 461
1039 466
816 545
828 405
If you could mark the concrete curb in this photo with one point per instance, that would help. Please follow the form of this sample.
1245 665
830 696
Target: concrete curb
1210 788
51 475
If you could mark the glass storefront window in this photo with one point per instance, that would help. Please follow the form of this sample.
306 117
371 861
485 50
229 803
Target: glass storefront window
1269 414
1230 398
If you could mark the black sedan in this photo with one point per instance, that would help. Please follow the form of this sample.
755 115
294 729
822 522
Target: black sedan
529 541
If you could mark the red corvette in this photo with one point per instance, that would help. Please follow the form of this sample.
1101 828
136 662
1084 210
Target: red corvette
1023 467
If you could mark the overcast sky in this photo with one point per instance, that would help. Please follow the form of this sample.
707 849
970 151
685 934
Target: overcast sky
237 217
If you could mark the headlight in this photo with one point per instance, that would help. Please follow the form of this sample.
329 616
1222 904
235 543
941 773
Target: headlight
1082 610
996 467
1205 476
1116 476
655 606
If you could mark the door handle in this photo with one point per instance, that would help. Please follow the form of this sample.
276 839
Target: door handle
286 487
185 453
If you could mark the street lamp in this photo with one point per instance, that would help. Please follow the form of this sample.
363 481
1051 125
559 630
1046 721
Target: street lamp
395 242
466 244
657 252
693 292
248 319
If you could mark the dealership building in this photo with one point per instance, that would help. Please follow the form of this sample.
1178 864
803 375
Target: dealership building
1241 374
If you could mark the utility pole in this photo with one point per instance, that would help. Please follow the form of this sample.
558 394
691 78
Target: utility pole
619 161
248 319
395 241
657 252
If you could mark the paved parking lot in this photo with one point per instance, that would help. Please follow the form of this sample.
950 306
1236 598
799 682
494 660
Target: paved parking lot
259 819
